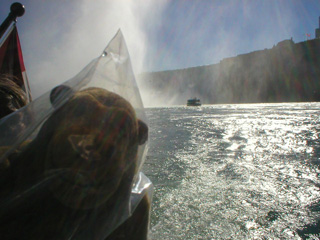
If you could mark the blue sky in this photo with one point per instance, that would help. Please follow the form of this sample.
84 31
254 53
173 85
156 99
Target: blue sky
193 33
60 37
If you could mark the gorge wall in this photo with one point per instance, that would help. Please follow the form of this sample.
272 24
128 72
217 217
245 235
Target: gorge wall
288 72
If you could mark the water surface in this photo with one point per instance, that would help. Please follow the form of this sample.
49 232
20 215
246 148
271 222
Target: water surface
247 171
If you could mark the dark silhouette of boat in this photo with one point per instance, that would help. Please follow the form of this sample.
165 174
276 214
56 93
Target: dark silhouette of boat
194 102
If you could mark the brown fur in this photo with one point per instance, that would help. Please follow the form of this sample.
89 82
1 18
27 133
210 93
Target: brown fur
12 97
82 163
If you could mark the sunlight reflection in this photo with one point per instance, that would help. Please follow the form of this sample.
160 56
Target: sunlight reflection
246 169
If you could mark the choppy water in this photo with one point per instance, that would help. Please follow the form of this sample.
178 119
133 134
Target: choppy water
235 171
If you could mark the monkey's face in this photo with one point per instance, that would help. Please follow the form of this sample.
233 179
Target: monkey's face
93 145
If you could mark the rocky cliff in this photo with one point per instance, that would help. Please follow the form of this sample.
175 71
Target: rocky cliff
288 72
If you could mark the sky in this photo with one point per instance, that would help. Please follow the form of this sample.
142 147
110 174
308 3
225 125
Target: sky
59 38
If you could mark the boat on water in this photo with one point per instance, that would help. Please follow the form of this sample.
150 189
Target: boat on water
194 102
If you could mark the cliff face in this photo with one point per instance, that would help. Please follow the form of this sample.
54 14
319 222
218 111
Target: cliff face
287 72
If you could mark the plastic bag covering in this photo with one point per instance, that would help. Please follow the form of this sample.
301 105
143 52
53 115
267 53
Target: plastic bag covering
25 212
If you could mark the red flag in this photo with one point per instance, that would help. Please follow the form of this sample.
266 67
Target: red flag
11 60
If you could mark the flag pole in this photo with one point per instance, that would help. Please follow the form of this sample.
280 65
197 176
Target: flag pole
16 10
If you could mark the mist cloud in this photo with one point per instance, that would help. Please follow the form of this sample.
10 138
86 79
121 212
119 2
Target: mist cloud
60 38
160 34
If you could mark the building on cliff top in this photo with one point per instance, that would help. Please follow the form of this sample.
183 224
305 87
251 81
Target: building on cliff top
318 31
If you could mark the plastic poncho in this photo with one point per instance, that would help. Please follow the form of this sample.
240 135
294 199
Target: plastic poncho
32 211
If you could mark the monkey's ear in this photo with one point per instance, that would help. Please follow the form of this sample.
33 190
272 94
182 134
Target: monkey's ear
142 132
58 93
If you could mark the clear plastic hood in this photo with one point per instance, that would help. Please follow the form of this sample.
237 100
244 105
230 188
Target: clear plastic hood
70 160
